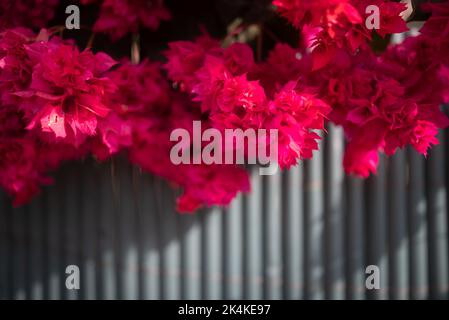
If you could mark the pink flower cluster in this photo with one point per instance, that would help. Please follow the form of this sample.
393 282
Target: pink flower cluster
336 28
26 13
145 104
383 102
226 84
51 100
60 103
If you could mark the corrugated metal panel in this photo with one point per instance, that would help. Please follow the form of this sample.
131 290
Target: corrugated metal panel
308 233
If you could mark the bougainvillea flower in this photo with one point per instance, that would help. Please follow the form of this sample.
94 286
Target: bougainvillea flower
184 58
222 87
26 13
68 92
59 103
15 64
19 176
141 94
25 159
296 116
120 17
202 185
284 64
333 27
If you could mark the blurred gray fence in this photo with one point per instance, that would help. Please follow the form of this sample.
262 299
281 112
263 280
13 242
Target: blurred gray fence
304 234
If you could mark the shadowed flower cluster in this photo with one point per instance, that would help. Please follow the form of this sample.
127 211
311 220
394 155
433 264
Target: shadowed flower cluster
120 17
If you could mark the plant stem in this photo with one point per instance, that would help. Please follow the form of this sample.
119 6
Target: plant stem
135 49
